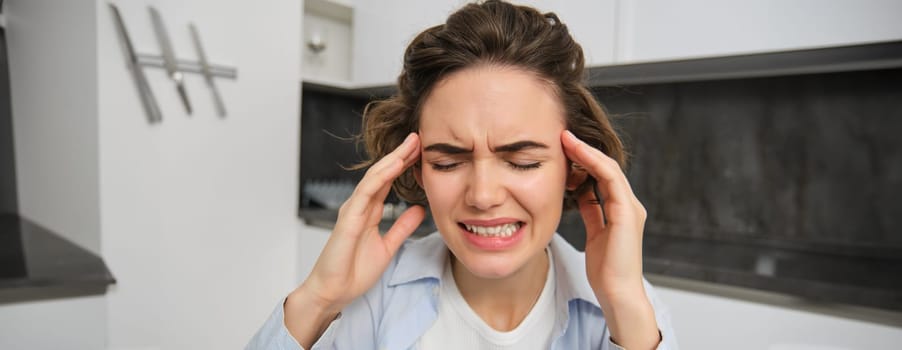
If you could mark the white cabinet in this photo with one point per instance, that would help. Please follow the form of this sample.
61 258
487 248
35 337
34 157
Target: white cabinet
625 31
706 318
657 30
364 41
382 30
326 42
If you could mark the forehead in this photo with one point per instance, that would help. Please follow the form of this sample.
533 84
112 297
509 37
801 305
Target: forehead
492 102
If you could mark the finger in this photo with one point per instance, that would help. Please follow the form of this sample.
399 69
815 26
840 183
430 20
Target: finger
380 196
409 220
390 166
577 176
374 216
376 208
381 175
612 182
414 156
592 214
619 200
368 189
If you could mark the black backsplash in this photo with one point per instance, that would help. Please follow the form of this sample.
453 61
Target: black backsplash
812 158
328 124
808 158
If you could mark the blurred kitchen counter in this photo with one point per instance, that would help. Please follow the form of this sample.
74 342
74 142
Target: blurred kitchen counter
326 218
858 283
36 264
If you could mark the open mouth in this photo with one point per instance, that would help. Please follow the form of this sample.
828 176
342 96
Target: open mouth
503 230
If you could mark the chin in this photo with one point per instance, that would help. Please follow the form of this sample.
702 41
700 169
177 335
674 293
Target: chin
495 266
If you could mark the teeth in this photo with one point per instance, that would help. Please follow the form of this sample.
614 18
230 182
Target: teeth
505 230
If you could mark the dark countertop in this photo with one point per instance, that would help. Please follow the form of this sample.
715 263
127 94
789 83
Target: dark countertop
817 273
36 263
823 274
813 275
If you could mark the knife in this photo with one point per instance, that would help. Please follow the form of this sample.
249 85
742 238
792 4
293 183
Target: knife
169 61
144 91
206 71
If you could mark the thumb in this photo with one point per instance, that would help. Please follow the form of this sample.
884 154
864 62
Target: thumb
403 228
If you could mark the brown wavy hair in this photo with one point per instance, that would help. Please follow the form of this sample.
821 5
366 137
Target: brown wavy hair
488 33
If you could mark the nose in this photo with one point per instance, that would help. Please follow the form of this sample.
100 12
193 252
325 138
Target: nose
485 189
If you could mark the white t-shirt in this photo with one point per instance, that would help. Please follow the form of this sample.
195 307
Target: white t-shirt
459 327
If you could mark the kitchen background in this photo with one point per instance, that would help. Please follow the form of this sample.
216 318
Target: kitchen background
773 223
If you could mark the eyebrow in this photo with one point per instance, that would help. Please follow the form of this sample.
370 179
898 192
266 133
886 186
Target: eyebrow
519 146
446 148
508 148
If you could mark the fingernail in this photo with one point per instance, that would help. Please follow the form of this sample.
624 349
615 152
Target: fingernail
409 137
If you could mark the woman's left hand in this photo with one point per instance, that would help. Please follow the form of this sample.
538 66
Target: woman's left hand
613 244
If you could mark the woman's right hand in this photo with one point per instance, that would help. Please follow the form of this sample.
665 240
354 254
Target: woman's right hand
356 254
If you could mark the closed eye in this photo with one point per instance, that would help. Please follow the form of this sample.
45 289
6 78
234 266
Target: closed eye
524 166
444 166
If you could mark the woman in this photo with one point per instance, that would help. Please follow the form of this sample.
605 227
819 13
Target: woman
493 129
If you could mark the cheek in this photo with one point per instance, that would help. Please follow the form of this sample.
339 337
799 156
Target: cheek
548 176
440 187
543 188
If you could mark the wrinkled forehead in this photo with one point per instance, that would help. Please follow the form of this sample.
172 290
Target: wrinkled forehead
491 105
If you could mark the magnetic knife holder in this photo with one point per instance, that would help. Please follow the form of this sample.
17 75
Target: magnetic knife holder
136 62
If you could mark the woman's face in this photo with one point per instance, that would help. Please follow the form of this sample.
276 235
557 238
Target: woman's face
493 168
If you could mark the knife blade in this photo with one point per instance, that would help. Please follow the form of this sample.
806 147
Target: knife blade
206 71
146 94
169 61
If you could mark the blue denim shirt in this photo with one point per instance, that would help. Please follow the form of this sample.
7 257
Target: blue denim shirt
403 305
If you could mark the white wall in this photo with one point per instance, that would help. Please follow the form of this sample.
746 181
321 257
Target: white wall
310 245
199 221
195 217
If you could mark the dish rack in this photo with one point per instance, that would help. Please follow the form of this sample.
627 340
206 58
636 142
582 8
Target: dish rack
329 194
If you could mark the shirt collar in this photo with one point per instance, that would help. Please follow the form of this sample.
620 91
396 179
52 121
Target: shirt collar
570 272
425 258
419 259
